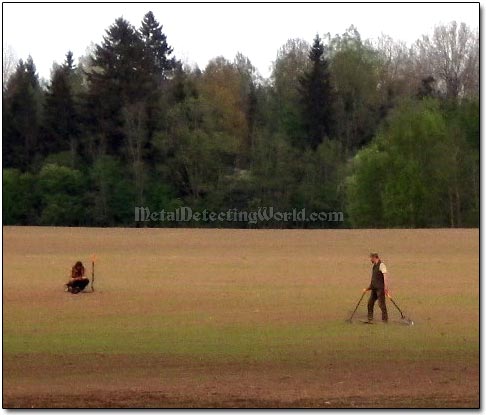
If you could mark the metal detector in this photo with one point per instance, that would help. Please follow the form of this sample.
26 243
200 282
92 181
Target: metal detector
357 305
405 319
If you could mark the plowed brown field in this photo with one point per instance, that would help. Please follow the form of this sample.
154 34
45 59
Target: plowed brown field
238 318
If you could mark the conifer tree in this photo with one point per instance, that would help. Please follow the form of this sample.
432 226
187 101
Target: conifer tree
61 124
116 79
157 60
21 116
316 97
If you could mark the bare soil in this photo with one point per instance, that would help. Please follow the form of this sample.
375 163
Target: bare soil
187 318
126 381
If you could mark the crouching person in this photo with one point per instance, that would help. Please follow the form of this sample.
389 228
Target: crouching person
78 281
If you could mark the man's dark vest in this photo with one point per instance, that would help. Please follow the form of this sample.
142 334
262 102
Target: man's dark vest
377 279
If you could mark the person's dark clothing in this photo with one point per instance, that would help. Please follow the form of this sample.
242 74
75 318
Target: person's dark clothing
78 280
78 285
377 287
377 278
380 296
78 271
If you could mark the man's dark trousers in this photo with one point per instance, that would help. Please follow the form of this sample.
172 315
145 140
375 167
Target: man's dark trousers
377 294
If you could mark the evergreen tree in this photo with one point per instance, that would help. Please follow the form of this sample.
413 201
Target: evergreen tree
115 80
130 126
31 74
178 91
157 68
157 61
69 63
316 96
61 125
21 117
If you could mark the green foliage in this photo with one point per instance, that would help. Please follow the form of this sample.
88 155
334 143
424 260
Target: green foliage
21 117
340 125
160 196
61 120
409 176
63 158
291 64
19 198
316 97
364 188
62 192
354 69
113 195
274 170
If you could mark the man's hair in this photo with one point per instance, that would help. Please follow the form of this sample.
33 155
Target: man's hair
374 255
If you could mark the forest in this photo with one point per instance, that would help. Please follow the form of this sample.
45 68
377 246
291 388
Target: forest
383 131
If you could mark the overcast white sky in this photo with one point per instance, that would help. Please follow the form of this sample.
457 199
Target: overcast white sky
199 32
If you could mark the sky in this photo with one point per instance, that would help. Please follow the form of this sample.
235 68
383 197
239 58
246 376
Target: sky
200 32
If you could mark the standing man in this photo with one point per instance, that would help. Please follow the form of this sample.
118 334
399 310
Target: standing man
378 288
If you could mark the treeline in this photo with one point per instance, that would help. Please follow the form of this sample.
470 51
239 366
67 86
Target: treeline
386 133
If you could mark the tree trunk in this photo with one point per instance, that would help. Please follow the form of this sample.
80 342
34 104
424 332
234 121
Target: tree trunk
451 209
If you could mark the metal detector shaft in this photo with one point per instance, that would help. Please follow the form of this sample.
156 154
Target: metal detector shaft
357 305
396 305
92 273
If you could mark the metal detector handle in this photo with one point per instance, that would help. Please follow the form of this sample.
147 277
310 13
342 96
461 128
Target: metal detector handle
93 272
395 304
359 302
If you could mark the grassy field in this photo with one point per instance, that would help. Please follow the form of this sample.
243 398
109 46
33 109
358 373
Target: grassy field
238 318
